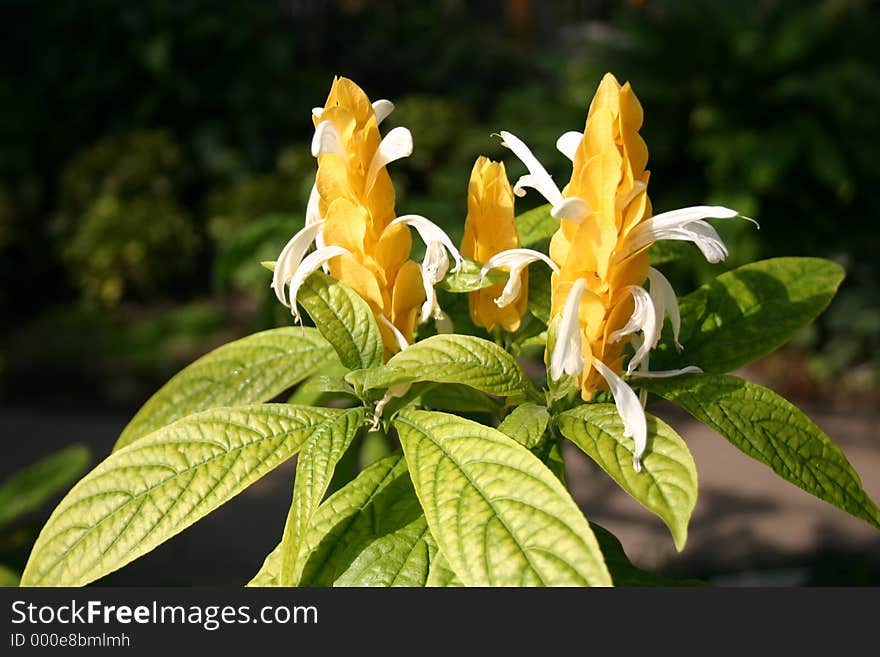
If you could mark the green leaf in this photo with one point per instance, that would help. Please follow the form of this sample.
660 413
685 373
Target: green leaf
457 397
344 319
539 294
8 578
320 389
463 359
371 532
30 488
623 572
440 574
536 226
252 369
666 251
748 312
467 279
269 571
526 424
314 470
151 490
667 484
499 516
770 429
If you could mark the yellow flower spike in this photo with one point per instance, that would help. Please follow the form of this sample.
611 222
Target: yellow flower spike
353 203
488 230
600 254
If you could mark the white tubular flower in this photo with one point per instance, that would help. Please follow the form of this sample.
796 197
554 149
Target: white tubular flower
644 319
630 410
395 145
685 224
516 260
434 268
382 108
328 140
572 208
291 258
431 232
309 265
393 392
568 143
665 374
665 302
567 357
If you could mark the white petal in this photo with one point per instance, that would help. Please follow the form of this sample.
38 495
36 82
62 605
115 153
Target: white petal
431 232
538 179
397 144
291 257
516 260
568 143
309 265
430 301
382 108
644 319
630 411
571 208
665 374
567 357
328 140
665 302
401 340
685 224
317 112
313 216
511 290
436 263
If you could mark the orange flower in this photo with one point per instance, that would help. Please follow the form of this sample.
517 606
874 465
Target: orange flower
351 215
488 230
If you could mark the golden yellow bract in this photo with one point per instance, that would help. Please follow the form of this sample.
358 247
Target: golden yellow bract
488 230
357 205
609 174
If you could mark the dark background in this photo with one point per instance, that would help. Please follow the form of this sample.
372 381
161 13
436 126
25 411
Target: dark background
151 154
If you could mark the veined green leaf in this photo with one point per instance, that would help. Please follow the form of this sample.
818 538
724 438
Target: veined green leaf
667 484
457 397
270 571
249 370
623 572
536 226
440 574
30 488
314 470
344 319
748 312
770 429
666 251
499 516
371 532
463 359
8 578
526 424
467 279
151 490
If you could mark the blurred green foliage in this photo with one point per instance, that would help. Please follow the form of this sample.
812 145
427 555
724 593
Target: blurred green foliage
122 227
155 152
